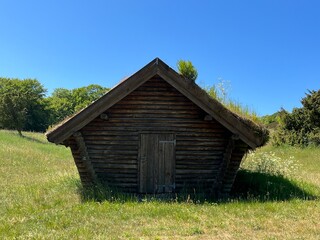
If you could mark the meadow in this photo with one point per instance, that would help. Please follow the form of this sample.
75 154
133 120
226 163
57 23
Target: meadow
276 196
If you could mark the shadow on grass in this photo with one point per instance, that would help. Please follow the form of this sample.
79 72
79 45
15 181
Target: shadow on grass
34 139
265 187
28 138
248 186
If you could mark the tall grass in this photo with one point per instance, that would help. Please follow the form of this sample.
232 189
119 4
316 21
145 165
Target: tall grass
40 199
243 110
220 93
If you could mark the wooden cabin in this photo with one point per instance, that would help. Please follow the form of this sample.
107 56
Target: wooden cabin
157 132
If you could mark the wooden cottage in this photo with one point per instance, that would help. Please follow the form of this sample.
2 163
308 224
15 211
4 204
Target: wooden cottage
157 132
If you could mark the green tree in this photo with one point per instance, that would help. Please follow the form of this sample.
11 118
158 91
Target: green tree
311 104
61 104
84 96
302 126
187 70
274 120
64 102
22 105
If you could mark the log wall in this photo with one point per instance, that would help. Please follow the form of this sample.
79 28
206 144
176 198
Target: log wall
156 107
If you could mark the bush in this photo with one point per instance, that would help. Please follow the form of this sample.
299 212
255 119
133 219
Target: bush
187 70
314 138
302 126
270 163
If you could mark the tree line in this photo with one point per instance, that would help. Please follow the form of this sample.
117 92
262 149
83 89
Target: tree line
24 105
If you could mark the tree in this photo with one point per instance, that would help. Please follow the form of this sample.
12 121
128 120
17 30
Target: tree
22 105
302 126
61 105
187 70
311 104
64 102
86 95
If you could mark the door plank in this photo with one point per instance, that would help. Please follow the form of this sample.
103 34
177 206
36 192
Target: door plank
143 164
157 163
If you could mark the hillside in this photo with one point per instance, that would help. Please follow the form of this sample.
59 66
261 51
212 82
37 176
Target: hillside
41 198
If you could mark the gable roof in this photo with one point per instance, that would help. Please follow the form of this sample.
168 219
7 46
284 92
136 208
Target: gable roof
248 132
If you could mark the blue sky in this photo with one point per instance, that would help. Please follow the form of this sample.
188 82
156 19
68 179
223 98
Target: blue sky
268 50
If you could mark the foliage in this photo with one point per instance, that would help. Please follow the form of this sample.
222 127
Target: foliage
22 105
302 126
86 95
61 105
270 163
64 102
274 120
187 70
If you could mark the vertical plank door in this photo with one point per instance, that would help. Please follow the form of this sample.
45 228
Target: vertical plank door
157 163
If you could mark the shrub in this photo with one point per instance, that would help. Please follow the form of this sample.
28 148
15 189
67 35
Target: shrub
302 126
187 70
270 163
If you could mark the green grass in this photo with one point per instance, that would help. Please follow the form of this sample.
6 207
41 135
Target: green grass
40 199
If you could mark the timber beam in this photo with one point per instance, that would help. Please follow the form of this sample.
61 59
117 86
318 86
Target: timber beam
82 149
218 186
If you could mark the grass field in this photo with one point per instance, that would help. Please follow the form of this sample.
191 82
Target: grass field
40 199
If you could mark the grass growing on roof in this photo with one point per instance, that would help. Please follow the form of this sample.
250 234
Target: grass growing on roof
220 92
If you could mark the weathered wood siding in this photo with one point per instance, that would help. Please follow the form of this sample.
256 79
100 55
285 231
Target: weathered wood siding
156 107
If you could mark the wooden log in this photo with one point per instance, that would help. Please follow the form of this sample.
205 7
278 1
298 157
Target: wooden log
126 102
116 171
155 110
224 165
190 171
115 166
113 157
213 156
106 146
233 167
117 175
85 156
122 139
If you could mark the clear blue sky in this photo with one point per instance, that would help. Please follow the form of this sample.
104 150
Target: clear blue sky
269 50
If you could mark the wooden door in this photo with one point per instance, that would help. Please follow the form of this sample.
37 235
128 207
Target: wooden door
157 163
